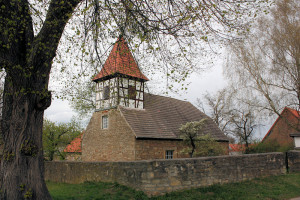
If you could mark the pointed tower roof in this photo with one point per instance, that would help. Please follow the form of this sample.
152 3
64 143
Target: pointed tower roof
120 61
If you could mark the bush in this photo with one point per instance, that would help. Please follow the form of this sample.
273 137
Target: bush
271 146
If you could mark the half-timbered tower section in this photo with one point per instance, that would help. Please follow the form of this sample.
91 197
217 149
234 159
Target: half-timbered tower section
120 81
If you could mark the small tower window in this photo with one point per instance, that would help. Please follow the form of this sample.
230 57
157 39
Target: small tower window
131 92
104 122
106 93
169 154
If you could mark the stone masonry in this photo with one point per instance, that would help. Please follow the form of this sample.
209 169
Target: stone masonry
113 144
160 176
119 143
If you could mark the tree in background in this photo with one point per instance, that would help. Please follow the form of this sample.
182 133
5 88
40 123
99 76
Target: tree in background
263 73
83 99
233 115
266 64
30 32
57 136
198 143
218 107
244 123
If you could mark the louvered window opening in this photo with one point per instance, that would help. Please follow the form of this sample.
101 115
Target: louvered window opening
106 93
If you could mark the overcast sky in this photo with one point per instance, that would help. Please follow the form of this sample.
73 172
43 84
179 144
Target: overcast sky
210 81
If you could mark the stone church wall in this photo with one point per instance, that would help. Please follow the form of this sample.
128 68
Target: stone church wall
160 176
116 143
156 149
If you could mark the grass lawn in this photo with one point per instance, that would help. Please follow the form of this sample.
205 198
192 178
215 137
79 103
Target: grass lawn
276 187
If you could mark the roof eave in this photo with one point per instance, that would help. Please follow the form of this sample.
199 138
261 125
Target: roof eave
117 74
157 138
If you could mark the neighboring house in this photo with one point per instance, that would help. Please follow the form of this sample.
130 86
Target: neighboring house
73 149
237 149
128 123
287 123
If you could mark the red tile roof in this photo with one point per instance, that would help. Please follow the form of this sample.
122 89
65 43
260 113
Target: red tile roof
75 145
294 112
237 147
120 60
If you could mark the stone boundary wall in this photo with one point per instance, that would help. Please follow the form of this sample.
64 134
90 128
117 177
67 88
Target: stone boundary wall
293 161
156 177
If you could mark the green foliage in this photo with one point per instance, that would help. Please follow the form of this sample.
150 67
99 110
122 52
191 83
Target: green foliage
191 130
28 194
83 99
57 136
198 143
8 156
207 146
29 149
275 187
271 146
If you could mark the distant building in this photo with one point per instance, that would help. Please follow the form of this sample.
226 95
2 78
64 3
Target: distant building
237 149
73 150
128 123
286 124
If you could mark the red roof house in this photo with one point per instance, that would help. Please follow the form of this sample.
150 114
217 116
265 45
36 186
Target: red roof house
235 149
287 123
73 149
238 149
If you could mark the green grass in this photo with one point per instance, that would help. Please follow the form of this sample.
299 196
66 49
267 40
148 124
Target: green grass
276 187
93 190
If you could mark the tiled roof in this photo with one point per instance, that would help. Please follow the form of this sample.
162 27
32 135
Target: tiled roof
163 116
75 145
120 60
237 147
294 112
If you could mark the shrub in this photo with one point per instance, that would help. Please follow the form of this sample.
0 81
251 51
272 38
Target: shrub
271 146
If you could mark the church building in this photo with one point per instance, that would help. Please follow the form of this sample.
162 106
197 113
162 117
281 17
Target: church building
130 124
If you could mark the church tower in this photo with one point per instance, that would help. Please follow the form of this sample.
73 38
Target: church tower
120 81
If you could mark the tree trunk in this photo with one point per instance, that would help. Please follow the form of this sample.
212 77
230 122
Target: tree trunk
27 62
193 147
22 165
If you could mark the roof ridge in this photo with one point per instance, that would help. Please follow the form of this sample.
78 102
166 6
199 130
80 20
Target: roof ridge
167 97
